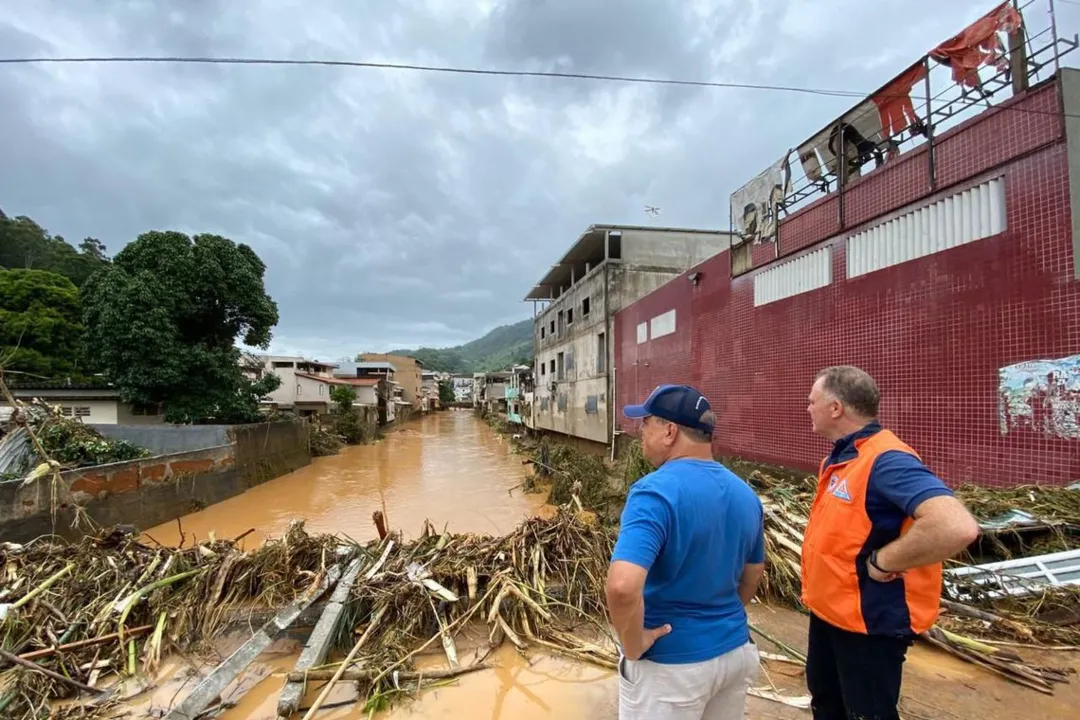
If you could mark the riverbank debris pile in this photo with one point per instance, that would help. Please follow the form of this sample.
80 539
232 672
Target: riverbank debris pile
78 614
977 615
66 441
81 617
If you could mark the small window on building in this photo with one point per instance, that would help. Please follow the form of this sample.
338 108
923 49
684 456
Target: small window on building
542 332
561 365
585 307
570 316
282 364
552 367
552 330
65 410
591 405
321 388
601 353
82 411
298 389
543 368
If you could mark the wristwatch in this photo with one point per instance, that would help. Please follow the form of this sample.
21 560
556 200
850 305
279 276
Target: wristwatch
873 563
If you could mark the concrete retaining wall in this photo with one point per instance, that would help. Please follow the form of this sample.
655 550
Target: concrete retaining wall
164 439
154 490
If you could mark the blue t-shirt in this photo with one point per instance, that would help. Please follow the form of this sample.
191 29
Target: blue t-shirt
693 525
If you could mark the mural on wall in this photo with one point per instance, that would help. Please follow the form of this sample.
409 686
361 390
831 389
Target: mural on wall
1043 395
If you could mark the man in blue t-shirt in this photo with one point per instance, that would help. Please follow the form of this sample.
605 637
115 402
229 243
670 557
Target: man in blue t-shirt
690 556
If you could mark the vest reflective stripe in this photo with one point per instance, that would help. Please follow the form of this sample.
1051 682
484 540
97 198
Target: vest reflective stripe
835 545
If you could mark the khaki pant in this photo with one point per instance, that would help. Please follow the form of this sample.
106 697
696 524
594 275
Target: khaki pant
710 690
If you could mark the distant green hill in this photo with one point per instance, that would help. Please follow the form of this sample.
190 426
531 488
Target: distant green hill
504 346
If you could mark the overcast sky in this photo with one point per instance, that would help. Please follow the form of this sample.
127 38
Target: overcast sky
396 209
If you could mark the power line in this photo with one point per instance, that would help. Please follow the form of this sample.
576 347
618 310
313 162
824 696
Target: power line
431 68
474 71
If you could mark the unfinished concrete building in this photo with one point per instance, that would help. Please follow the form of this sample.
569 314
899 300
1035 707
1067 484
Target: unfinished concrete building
609 267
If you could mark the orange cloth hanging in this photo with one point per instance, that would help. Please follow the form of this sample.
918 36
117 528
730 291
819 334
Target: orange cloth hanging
978 44
894 101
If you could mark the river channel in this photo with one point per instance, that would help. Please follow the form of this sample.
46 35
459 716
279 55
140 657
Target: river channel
449 468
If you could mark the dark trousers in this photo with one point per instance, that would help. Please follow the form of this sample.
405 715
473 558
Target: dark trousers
851 675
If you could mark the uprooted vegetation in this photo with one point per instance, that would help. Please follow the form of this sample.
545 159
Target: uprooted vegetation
66 441
110 607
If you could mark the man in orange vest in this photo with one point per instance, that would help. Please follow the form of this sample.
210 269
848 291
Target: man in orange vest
880 527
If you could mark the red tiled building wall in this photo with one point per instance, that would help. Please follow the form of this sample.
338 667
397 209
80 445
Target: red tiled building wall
934 331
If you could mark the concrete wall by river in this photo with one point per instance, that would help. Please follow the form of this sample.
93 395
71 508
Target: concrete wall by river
180 478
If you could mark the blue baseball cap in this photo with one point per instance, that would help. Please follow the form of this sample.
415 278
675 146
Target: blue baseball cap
680 404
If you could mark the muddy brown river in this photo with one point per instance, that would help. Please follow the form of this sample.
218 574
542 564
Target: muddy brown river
448 467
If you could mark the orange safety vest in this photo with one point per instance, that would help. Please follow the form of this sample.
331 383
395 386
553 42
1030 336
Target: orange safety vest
835 583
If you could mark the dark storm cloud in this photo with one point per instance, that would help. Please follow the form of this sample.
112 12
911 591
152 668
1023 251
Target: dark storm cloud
396 209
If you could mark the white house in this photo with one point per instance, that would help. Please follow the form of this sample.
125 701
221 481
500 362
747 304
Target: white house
305 384
92 403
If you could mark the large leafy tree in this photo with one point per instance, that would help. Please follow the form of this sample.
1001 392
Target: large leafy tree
163 319
25 244
40 325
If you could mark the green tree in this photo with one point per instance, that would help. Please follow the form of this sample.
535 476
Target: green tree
41 327
25 244
347 421
446 393
344 396
163 319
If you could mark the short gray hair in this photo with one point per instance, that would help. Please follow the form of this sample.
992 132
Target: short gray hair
699 436
853 387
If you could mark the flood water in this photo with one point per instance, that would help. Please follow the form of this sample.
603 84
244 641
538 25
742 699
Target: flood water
449 468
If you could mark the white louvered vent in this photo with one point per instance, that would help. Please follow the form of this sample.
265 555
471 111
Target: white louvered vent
967 216
642 332
663 324
803 274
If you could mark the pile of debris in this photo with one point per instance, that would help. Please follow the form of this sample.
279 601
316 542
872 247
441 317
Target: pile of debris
41 429
986 607
570 472
79 618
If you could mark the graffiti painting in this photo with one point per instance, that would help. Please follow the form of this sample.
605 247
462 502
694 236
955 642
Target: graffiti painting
1042 395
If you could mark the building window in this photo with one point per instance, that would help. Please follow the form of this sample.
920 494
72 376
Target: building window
82 411
561 359
601 353
298 389
591 405
65 411
585 307
570 316
321 388
541 332
543 368
552 330
552 369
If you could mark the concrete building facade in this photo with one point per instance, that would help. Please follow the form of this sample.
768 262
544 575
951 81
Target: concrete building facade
407 371
609 267
305 384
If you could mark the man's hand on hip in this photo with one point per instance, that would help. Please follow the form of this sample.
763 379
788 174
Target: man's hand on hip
634 648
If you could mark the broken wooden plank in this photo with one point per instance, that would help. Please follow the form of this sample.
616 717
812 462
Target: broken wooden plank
224 674
318 644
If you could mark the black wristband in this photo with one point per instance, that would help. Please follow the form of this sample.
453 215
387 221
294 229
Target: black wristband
873 562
